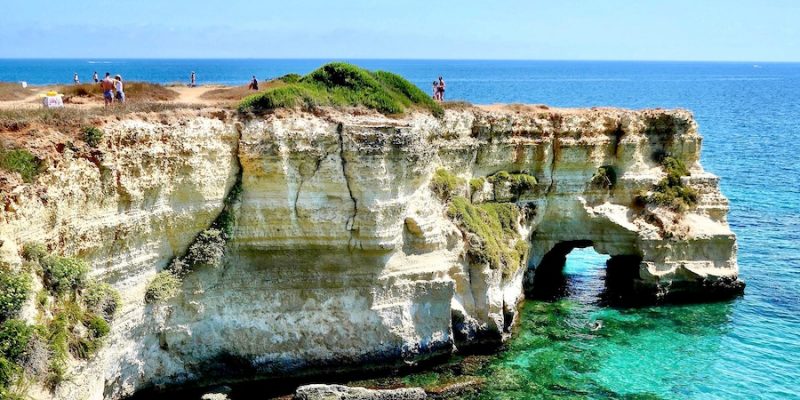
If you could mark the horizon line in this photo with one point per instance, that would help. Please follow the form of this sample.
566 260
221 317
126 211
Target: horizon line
401 59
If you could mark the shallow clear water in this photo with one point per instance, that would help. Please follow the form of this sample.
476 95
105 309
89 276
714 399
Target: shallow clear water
750 118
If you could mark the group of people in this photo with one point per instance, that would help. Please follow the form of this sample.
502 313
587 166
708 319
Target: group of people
113 89
438 89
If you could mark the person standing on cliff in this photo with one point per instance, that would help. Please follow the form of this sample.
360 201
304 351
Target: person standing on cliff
107 85
96 79
75 79
441 89
254 83
435 90
193 79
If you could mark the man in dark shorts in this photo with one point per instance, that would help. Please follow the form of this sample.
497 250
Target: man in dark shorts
254 83
107 84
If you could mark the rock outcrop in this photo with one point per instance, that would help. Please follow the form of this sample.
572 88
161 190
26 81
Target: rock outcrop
341 256
340 392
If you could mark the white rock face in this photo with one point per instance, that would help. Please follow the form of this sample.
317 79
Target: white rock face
341 256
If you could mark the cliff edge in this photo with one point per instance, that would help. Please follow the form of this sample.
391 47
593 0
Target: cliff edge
297 242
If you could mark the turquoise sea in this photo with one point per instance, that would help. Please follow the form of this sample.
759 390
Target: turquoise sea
749 115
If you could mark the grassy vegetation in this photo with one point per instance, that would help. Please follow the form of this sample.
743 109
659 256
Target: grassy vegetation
165 285
605 177
445 185
64 274
79 315
134 91
92 136
520 182
495 224
20 161
343 85
72 120
671 192
101 300
13 91
476 185
14 290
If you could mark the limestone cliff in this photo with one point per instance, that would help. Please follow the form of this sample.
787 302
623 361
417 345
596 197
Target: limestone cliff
341 256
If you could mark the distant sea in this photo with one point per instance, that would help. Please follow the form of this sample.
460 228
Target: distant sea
749 116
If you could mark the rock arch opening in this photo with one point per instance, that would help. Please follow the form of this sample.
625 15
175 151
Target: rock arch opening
550 279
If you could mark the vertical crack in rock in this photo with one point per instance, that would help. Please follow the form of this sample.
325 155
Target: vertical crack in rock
351 222
554 155
317 166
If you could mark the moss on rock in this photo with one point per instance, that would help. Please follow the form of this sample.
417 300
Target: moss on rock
445 185
496 227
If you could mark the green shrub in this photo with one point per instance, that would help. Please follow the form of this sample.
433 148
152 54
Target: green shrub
34 251
495 225
98 326
444 184
342 84
520 182
290 78
58 339
64 274
605 177
101 299
207 249
670 191
14 290
8 370
14 337
92 135
164 286
20 161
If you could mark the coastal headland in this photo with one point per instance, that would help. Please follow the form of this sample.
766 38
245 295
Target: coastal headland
339 221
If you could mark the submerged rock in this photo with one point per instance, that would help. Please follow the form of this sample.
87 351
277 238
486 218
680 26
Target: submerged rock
340 392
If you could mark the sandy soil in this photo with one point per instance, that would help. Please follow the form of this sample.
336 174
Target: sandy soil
186 95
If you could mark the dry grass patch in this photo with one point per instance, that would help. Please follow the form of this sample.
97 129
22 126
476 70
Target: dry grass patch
134 91
237 93
14 91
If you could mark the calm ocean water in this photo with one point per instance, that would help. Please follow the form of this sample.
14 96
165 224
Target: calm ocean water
749 116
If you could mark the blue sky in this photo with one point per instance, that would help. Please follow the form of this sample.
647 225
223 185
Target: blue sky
743 30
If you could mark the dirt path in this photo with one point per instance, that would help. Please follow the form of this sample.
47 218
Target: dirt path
186 95
191 95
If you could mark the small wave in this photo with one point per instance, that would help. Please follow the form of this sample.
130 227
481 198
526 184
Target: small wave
101 62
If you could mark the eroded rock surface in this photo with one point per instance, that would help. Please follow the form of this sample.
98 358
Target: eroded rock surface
340 392
341 256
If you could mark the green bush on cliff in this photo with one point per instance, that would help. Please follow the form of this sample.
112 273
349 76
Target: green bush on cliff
64 274
520 182
671 192
33 251
164 286
14 290
343 85
92 136
101 299
20 161
495 225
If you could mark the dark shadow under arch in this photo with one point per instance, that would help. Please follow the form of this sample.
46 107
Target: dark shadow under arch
547 281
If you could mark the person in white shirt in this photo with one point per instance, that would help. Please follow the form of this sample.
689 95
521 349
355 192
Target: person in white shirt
120 93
